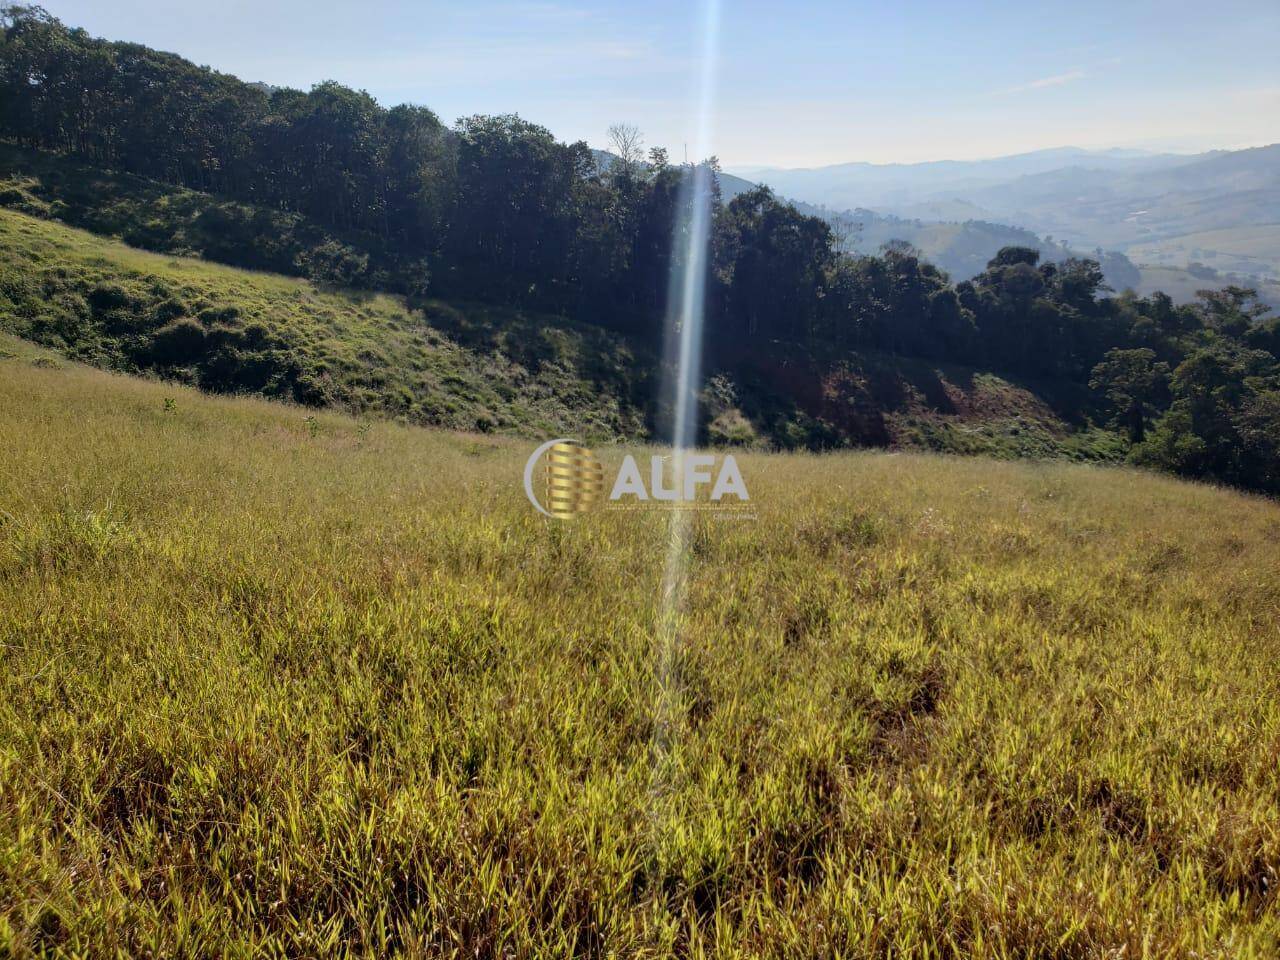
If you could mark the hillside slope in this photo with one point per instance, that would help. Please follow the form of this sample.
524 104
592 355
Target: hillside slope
1221 191
463 366
1180 267
1221 208
478 367
165 218
278 688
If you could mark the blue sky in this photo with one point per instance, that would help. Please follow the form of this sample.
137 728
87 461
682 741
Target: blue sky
799 84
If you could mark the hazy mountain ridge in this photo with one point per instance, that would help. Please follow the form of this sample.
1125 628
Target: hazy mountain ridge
879 185
1144 203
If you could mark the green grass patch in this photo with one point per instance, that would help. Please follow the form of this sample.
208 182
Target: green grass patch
286 683
230 330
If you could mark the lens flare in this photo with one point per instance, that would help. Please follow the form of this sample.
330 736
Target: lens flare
682 371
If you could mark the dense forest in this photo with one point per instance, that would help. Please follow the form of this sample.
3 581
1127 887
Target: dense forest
494 208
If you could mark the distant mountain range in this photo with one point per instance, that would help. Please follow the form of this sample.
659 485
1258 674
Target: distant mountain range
1217 213
891 185
1168 222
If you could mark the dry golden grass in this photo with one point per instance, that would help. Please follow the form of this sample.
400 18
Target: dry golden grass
271 686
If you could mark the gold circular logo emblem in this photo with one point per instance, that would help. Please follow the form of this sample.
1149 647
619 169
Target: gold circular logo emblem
572 478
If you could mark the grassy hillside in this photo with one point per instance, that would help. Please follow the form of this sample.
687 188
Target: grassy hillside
884 400
1182 284
1250 249
478 367
1224 204
165 218
233 330
963 249
1221 258
277 686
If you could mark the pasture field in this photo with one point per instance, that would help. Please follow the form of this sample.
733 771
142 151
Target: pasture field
280 682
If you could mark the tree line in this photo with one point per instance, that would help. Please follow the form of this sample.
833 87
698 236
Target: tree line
496 208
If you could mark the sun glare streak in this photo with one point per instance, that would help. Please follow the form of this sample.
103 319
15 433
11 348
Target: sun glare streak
683 360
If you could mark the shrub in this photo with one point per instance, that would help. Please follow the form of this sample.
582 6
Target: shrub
170 309
335 264
212 315
108 296
179 342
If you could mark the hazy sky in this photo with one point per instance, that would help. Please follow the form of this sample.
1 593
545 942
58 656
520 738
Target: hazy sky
800 83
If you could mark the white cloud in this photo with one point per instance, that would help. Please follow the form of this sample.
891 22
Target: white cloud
1044 82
